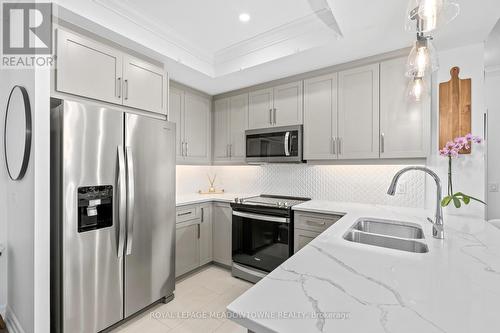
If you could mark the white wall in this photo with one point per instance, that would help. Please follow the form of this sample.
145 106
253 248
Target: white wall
493 105
18 222
351 183
469 170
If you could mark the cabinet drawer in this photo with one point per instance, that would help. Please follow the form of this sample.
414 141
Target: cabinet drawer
314 222
186 213
302 238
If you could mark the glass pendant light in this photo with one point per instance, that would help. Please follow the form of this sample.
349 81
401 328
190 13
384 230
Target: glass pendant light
422 59
416 90
424 16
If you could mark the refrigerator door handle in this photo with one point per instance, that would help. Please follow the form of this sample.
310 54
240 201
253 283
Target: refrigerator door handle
122 201
130 199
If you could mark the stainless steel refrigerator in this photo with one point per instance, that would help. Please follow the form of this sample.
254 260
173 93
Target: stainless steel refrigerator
113 215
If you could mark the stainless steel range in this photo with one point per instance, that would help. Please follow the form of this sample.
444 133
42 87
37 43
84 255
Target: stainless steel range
262 234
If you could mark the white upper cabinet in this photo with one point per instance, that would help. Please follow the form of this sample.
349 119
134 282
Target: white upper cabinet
196 128
191 114
358 113
176 107
94 70
320 117
221 127
260 112
229 125
143 85
278 106
404 126
288 104
238 124
88 68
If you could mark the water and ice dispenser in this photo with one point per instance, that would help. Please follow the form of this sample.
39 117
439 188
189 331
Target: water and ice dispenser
95 207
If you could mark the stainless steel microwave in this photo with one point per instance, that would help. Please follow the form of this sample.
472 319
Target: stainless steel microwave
274 145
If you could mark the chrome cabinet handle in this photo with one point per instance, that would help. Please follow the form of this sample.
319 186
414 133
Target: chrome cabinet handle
271 116
230 150
122 201
202 215
130 199
187 147
199 230
125 88
119 87
339 142
316 222
382 142
334 146
184 214
274 121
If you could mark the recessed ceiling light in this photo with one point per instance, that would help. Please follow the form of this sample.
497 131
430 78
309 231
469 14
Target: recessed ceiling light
244 17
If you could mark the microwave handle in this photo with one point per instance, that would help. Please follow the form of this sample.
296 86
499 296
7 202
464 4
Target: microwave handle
287 144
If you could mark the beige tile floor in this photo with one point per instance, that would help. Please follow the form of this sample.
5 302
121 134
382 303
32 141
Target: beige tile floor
206 292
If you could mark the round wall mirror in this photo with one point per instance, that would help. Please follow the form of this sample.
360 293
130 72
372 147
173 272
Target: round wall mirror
17 133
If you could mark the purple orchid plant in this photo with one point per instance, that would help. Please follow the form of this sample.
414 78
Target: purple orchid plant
452 150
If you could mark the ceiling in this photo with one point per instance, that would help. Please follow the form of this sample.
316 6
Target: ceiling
205 46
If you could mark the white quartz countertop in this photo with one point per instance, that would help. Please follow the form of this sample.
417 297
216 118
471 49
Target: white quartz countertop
196 198
333 285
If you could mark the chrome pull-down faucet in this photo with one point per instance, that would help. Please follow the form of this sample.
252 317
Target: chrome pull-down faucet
437 224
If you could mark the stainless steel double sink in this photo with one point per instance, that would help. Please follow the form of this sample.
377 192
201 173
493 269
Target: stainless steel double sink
397 235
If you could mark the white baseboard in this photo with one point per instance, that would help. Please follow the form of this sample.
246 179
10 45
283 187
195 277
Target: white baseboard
13 324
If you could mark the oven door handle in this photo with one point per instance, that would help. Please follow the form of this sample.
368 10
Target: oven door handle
287 144
262 217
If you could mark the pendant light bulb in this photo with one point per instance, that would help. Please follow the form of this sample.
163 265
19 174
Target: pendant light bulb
424 16
422 59
416 90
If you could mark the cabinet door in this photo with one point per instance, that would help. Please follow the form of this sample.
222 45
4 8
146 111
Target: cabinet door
260 109
221 130
187 247
176 105
238 126
206 234
222 233
87 68
404 126
288 104
320 117
144 85
359 113
196 128
302 238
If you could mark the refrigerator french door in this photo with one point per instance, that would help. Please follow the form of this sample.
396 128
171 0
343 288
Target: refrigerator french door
113 215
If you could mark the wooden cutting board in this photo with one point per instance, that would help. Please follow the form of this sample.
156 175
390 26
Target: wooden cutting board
454 108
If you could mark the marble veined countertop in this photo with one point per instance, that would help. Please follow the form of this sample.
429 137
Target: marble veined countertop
196 198
333 285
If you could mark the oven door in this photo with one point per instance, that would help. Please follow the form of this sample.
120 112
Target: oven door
277 144
260 241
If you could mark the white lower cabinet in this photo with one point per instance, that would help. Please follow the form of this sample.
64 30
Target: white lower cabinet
206 234
309 226
203 235
223 215
187 247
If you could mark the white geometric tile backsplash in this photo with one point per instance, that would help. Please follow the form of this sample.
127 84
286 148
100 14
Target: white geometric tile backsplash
349 183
